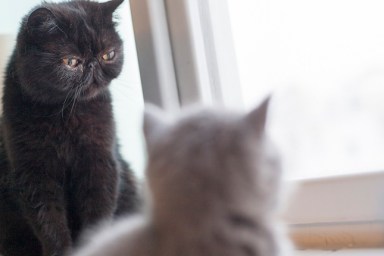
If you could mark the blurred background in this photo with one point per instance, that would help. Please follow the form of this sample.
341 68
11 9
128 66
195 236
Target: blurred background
324 62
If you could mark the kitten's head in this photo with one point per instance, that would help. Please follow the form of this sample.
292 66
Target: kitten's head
211 159
68 49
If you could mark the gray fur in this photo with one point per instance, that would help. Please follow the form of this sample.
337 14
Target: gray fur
213 179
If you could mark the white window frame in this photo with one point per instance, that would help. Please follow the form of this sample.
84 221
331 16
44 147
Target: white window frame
154 52
186 55
182 59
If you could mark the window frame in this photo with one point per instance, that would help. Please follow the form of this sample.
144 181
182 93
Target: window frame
182 61
154 53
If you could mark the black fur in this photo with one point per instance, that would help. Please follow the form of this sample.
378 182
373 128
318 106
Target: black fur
60 167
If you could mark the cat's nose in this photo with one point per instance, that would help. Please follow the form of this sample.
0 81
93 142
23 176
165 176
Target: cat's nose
92 64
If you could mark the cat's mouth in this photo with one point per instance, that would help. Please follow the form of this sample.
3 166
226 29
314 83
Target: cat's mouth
93 90
93 87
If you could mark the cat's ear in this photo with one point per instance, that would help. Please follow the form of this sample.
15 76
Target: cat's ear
111 6
257 118
153 123
41 20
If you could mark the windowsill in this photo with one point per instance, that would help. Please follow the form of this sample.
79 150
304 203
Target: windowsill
357 252
338 213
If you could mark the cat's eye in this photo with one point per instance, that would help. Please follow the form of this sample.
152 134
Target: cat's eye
109 56
71 62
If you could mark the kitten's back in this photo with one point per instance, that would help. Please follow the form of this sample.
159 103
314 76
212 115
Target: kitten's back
213 180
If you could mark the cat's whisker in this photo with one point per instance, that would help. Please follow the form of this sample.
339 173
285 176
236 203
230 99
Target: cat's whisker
64 104
74 99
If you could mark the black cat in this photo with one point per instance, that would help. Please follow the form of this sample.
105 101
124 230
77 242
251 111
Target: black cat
60 169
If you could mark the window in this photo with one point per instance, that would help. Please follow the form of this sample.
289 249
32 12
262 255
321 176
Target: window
323 65
323 61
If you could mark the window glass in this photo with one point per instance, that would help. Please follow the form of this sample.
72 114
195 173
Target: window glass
324 63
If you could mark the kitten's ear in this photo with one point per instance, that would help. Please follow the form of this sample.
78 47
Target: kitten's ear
154 124
257 118
111 6
41 20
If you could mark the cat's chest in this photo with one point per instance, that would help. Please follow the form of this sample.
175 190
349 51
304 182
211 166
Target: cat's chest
77 135
81 128
69 133
74 131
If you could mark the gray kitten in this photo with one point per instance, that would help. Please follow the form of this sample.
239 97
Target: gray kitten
213 179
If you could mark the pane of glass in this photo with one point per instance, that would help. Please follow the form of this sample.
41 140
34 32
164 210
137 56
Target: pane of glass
126 89
324 62
128 97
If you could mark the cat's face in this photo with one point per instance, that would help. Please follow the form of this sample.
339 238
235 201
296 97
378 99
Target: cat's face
69 50
211 156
